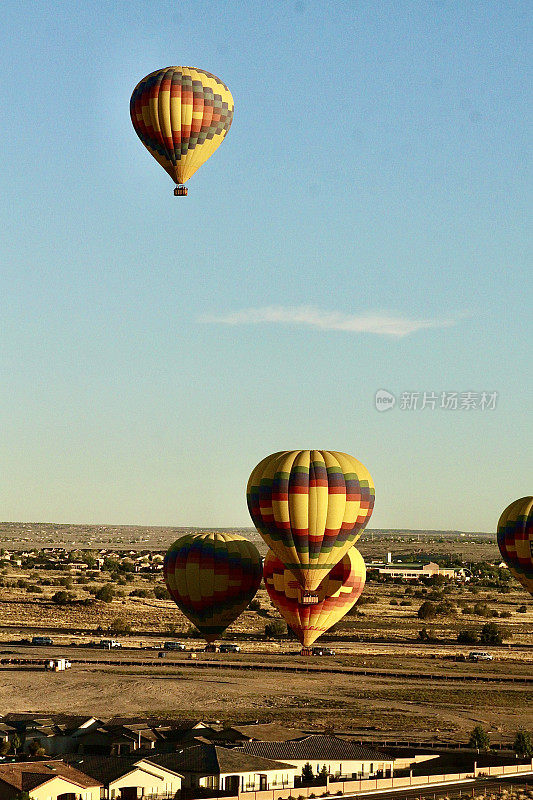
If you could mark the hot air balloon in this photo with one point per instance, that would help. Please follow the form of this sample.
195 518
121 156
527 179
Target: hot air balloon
337 593
515 540
310 507
181 115
212 577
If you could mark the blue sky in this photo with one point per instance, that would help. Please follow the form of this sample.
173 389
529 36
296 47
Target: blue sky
364 226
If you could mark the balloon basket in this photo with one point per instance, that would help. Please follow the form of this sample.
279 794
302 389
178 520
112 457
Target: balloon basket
181 191
306 651
309 599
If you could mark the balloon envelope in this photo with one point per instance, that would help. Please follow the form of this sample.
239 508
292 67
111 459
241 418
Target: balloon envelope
515 540
181 115
337 593
212 577
310 507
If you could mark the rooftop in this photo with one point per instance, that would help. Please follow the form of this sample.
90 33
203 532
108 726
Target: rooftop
210 759
316 746
26 775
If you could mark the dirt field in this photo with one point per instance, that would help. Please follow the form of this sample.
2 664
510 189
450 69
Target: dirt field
384 634
367 705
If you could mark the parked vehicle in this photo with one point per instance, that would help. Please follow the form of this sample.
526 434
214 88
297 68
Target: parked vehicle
42 640
230 648
57 665
108 644
322 651
480 656
174 646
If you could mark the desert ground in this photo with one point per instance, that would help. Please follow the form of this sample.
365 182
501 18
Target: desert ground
416 689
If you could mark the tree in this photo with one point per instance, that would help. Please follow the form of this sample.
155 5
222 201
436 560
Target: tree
324 775
275 629
105 593
63 598
5 747
307 773
119 625
490 634
161 593
437 580
523 744
16 742
35 748
427 610
479 738
467 637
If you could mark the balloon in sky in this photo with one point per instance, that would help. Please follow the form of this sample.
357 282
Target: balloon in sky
515 540
181 115
212 577
310 507
337 593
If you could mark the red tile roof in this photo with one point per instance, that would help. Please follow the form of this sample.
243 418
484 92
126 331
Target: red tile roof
26 775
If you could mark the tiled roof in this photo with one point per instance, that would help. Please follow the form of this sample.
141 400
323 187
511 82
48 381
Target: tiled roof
103 768
107 768
26 775
209 759
316 747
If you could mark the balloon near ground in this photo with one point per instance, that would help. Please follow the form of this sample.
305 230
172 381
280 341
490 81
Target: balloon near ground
515 540
212 577
310 507
181 115
337 593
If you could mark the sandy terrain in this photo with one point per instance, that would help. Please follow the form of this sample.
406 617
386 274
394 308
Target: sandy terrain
371 706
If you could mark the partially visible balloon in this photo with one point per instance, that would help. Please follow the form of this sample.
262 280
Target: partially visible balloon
212 577
336 595
310 507
181 115
515 540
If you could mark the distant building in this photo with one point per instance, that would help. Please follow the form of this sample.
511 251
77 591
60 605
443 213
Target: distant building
415 571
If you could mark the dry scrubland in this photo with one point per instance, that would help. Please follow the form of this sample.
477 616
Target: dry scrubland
382 635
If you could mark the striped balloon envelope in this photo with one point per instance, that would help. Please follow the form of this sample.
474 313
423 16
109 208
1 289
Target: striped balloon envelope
515 540
336 595
181 115
310 507
212 577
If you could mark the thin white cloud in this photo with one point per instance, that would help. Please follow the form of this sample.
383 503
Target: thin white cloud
381 324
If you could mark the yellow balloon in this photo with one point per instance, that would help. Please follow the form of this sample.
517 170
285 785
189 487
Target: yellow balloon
310 507
181 115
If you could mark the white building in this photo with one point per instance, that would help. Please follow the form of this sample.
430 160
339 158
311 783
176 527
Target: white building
340 757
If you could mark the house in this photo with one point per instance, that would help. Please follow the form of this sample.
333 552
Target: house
117 739
128 777
46 780
55 733
223 769
341 758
